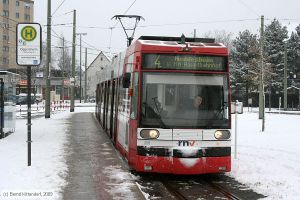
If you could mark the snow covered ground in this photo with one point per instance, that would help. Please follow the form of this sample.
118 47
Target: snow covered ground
44 179
269 162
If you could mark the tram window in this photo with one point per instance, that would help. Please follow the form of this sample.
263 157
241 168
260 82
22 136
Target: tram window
215 95
170 95
121 104
126 80
171 105
134 101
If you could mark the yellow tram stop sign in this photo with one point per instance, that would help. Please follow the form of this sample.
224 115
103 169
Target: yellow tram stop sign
28 33
29 39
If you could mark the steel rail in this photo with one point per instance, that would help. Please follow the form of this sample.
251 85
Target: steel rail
174 192
223 191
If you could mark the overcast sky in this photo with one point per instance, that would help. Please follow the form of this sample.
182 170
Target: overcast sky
162 17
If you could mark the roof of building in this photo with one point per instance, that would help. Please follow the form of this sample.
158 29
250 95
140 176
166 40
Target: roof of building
101 53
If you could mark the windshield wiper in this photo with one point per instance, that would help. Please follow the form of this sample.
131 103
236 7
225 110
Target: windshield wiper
155 114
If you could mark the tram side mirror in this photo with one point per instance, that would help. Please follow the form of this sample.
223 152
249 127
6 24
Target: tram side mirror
126 80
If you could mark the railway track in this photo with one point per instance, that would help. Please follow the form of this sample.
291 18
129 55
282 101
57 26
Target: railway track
226 193
220 192
174 192
200 187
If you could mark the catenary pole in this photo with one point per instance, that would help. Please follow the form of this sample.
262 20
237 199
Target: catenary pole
1 108
285 77
80 63
48 63
261 77
85 77
270 95
62 71
73 64
261 87
80 71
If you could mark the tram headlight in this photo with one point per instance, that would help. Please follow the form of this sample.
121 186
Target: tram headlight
149 133
222 134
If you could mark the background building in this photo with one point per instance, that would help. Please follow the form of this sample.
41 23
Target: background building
93 73
12 12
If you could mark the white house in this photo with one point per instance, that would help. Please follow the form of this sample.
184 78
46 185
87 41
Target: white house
93 73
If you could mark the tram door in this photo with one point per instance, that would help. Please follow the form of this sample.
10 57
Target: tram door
116 104
133 118
112 108
97 102
102 94
105 108
108 107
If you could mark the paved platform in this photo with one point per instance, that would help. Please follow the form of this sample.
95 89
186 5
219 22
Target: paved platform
95 169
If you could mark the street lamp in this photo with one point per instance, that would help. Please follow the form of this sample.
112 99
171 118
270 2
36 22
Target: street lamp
80 34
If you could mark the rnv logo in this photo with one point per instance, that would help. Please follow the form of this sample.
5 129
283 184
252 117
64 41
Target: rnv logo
186 143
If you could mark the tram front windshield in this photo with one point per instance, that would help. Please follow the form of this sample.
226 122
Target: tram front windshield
184 101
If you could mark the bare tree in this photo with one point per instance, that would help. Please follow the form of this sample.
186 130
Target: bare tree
221 36
64 58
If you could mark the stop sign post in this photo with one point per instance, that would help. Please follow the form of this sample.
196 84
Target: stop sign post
29 53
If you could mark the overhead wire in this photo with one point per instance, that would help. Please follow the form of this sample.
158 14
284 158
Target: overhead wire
86 27
63 24
53 35
59 37
64 14
77 45
129 7
174 24
58 7
248 7
177 24
91 45
58 47
199 22
91 48
162 25
9 18
143 26
113 27
124 13
8 28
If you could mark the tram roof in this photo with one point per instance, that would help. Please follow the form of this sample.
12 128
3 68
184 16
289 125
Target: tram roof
179 41
177 44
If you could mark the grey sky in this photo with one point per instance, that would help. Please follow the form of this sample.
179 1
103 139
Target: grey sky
204 16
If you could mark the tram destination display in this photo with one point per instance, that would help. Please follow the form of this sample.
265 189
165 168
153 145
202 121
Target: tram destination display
183 62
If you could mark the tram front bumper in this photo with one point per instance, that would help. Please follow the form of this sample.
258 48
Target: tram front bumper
180 161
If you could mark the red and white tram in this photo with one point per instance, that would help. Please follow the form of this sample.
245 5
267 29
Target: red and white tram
145 104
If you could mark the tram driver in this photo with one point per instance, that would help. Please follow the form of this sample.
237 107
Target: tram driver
190 106
198 102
